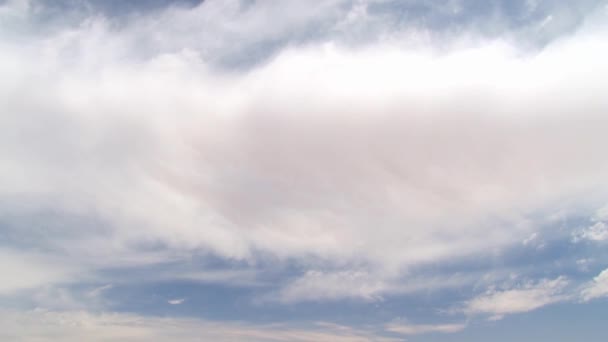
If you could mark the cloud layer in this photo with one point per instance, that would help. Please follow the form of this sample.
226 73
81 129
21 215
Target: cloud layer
364 157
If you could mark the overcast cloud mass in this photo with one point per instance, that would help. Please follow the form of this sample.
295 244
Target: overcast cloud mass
324 170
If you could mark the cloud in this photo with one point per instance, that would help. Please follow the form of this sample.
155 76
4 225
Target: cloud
364 284
418 329
256 188
532 238
236 170
176 301
323 286
598 231
29 270
524 298
597 288
80 325
96 292
360 159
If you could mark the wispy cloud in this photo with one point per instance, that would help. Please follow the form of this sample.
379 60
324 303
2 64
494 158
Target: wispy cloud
522 298
79 325
176 301
596 288
597 231
417 329
29 270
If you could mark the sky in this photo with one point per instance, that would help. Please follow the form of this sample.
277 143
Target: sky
286 170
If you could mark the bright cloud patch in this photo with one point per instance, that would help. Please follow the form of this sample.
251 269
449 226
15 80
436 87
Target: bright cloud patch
527 297
596 288
176 301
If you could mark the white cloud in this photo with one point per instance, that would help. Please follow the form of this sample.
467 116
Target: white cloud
98 291
318 285
176 301
81 325
596 288
523 298
418 329
377 155
598 231
530 239
601 214
364 284
29 270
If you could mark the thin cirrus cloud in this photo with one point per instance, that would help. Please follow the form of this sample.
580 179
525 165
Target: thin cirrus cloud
352 150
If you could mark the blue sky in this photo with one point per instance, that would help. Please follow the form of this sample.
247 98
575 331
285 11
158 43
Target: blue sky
327 170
